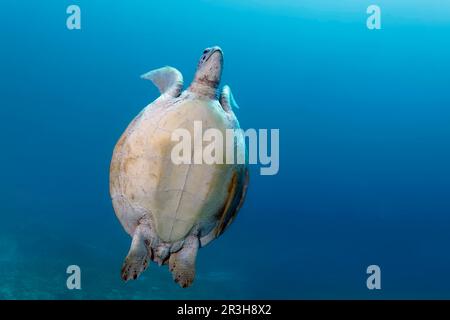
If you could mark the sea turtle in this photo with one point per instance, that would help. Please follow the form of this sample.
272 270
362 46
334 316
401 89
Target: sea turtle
171 210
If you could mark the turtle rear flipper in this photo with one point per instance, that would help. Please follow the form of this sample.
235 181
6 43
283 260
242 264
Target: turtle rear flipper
139 255
182 263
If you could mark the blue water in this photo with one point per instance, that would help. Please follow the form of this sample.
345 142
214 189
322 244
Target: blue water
364 119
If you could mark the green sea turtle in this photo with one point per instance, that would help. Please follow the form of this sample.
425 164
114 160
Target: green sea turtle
171 210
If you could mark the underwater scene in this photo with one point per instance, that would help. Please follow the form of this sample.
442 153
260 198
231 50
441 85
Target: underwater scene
357 207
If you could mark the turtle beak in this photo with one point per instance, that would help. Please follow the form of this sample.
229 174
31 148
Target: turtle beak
210 51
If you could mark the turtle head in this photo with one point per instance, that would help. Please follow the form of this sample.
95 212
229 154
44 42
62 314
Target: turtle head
209 71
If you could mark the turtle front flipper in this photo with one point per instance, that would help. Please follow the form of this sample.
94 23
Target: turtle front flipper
227 100
182 263
139 255
168 80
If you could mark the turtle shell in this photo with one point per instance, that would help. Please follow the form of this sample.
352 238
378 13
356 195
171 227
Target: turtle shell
178 198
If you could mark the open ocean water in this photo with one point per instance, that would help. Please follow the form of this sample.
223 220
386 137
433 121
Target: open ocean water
364 119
